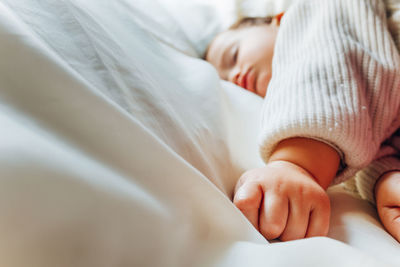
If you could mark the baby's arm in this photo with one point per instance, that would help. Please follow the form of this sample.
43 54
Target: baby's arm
333 98
287 198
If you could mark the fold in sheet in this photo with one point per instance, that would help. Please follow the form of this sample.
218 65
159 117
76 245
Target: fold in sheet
90 175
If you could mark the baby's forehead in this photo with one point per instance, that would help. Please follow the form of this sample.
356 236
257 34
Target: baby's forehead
232 35
228 35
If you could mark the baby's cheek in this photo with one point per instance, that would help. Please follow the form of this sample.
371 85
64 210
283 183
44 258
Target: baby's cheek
262 84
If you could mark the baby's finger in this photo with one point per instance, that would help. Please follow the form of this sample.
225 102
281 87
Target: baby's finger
297 222
319 220
248 200
390 217
273 215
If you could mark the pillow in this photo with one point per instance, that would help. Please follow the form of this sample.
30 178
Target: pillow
189 26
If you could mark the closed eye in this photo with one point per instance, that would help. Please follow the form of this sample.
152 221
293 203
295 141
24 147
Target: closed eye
235 54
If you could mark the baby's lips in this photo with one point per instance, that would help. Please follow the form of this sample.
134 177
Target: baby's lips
250 80
241 81
247 80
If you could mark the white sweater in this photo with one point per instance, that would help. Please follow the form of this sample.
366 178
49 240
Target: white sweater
336 78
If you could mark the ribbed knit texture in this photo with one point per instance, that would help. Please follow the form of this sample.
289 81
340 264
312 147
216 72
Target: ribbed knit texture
366 179
336 78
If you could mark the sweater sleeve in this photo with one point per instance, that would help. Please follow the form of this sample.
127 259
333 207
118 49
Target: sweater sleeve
388 159
335 79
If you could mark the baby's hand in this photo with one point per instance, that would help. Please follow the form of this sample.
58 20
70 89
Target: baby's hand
387 194
283 201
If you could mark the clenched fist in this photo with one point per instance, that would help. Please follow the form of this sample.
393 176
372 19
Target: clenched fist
283 201
387 194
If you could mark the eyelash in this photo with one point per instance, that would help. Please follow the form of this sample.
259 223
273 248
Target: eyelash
235 55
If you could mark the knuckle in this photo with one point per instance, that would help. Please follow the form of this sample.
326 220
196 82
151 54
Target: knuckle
324 200
271 230
245 203
276 185
247 178
320 196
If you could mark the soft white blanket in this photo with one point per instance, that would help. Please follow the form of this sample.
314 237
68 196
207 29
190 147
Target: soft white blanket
120 148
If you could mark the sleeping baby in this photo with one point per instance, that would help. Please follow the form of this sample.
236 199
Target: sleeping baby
330 75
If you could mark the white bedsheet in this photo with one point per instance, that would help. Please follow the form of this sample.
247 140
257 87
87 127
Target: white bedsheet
120 148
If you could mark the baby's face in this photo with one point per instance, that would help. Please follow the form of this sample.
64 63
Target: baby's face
244 56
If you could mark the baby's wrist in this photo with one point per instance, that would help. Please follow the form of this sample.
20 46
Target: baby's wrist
285 164
315 157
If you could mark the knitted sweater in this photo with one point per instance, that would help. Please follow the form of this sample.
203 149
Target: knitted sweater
336 78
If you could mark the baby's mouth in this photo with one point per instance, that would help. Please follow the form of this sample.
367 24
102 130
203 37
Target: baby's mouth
249 80
244 81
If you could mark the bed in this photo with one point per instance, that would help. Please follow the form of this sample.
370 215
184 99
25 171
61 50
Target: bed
120 146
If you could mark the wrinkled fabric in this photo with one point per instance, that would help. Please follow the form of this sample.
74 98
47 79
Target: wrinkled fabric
119 149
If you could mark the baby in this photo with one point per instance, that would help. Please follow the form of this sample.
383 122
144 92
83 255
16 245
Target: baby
331 110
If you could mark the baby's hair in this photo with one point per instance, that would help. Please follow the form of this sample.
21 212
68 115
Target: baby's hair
251 21
246 22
